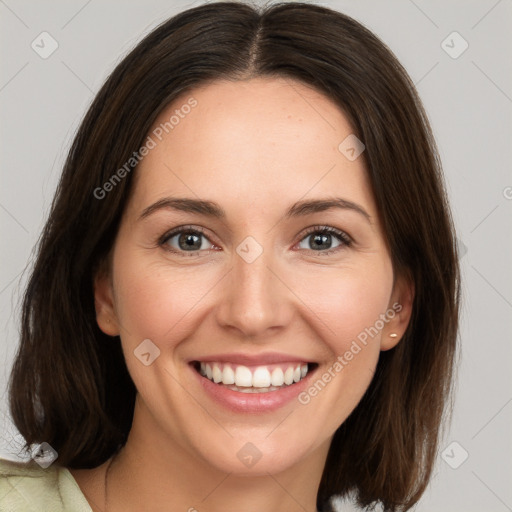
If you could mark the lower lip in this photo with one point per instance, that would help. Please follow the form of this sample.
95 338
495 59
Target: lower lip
238 401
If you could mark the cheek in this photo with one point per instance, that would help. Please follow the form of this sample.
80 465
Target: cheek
348 310
348 301
156 302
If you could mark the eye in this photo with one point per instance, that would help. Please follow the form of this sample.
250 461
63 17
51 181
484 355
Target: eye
321 239
190 241
186 241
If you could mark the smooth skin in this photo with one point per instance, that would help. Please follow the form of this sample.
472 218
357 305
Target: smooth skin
254 147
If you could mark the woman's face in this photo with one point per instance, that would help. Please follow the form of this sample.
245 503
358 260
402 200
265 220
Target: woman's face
254 291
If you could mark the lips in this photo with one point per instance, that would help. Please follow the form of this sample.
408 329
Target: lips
254 394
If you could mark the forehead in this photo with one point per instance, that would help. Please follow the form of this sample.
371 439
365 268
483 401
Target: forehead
265 140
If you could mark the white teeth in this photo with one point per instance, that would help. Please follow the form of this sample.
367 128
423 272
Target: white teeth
216 374
254 390
259 380
277 377
243 376
228 375
288 376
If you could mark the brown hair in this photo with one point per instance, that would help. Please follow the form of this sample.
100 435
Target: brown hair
70 386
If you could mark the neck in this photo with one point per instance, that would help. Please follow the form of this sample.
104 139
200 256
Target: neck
166 477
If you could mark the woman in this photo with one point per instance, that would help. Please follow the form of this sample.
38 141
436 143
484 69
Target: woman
246 294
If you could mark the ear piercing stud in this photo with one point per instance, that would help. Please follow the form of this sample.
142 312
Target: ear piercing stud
393 335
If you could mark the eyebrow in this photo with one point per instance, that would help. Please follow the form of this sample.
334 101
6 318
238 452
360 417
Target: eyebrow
214 210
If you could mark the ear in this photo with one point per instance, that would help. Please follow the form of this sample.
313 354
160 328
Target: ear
104 302
399 312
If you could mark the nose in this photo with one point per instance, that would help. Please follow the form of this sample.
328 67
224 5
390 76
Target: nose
255 300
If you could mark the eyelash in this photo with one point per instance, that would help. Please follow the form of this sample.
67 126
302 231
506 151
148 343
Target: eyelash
345 240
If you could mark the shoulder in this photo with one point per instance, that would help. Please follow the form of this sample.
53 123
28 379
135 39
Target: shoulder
25 486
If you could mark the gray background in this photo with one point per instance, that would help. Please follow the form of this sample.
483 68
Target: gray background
469 102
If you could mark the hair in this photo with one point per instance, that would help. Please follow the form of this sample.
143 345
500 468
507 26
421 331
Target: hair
69 384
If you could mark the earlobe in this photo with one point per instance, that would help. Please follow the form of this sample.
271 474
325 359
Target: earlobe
400 311
104 304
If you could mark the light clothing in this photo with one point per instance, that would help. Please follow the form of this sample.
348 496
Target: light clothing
27 487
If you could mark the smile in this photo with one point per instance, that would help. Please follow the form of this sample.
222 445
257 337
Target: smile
240 385
254 379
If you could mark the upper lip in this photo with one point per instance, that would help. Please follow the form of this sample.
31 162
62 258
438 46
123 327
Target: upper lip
252 360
